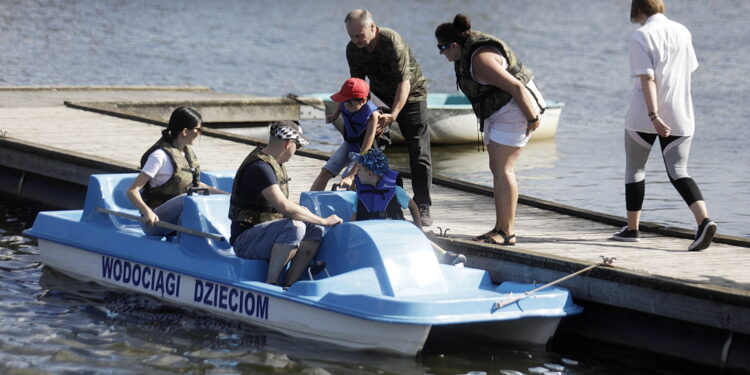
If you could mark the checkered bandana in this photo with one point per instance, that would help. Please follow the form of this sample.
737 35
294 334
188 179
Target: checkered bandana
285 131
374 160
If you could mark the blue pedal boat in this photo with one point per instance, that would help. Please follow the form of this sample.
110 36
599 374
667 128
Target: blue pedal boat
382 289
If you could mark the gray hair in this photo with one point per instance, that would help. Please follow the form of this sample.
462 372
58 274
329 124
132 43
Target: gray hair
362 15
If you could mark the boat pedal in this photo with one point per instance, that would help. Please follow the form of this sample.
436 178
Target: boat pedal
316 267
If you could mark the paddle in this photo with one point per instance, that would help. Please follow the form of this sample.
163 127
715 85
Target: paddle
606 262
162 224
300 101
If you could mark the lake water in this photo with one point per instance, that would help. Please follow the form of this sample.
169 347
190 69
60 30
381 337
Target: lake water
576 48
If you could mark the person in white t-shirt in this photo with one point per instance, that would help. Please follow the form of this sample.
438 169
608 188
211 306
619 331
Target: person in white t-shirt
662 59
168 169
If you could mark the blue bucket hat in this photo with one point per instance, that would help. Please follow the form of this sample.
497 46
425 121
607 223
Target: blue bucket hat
374 160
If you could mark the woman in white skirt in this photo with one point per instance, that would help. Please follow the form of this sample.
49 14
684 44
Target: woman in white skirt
507 104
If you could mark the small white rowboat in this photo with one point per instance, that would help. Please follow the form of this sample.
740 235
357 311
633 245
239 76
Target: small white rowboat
452 120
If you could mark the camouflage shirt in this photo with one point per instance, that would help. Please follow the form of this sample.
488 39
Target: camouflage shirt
390 63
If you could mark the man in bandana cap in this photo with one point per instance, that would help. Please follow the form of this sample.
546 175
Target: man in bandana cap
265 223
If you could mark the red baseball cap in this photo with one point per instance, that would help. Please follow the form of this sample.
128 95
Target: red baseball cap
351 89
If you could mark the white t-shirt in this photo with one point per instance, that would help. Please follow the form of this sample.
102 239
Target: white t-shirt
662 48
159 167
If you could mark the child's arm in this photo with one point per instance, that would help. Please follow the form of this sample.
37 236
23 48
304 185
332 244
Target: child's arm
346 182
372 126
333 116
415 216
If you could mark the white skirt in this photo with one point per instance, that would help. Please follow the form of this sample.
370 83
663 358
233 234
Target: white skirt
507 126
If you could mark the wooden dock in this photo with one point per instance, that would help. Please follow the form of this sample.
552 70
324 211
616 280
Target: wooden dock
657 276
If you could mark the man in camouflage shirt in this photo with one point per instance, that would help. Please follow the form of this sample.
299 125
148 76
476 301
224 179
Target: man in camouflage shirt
381 55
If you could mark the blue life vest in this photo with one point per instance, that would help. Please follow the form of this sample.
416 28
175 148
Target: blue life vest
355 124
379 202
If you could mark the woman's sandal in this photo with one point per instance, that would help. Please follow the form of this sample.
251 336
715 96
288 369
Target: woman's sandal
506 239
483 237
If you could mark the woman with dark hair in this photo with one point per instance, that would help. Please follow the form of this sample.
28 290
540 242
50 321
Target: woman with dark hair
662 60
507 104
168 169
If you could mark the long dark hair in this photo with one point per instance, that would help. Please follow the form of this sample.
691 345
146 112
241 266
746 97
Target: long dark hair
182 118
456 31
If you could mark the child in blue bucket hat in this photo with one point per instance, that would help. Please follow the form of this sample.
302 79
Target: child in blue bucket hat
380 195
374 160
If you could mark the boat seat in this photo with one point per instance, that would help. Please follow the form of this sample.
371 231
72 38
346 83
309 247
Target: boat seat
402 267
110 191
221 180
325 203
398 252
208 214
202 213
249 269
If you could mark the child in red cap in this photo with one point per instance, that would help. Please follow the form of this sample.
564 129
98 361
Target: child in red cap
360 117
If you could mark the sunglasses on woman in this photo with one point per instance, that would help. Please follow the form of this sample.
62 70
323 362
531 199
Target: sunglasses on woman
443 47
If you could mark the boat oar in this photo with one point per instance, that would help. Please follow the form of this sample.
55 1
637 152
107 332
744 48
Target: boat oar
606 262
300 101
162 224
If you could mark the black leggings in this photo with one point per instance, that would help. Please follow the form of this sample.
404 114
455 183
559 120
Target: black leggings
675 151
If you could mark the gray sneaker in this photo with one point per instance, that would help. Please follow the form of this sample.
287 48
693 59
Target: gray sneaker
424 215
703 235
627 235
